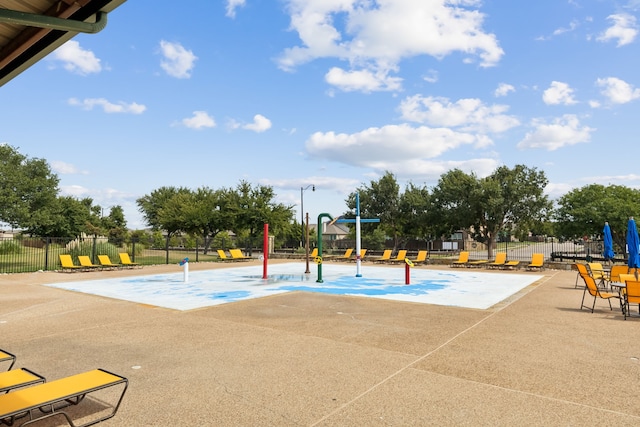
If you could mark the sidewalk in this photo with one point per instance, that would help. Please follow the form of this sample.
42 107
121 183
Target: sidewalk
304 359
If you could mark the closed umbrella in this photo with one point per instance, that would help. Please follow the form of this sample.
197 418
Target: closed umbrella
608 253
633 244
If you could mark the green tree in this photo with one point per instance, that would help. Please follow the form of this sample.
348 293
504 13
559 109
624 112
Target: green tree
155 212
415 208
28 189
206 213
252 207
115 225
583 212
452 202
380 199
67 218
488 206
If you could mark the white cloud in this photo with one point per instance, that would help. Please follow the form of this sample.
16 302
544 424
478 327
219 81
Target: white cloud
177 61
74 190
470 115
503 89
76 59
404 150
373 37
362 80
63 168
431 76
232 5
401 149
260 124
559 93
618 91
624 29
562 131
572 26
199 120
107 106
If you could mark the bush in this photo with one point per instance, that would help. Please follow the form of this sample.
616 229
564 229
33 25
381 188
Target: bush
83 248
10 247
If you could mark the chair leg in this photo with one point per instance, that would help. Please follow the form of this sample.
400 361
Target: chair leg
584 294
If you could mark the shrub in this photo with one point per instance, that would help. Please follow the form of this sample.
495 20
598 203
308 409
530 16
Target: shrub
9 247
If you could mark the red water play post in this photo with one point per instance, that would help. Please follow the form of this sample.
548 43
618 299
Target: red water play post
407 275
407 271
265 251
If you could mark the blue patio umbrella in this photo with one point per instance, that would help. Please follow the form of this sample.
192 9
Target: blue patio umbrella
608 253
633 244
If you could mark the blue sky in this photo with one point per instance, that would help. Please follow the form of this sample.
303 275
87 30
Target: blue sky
333 93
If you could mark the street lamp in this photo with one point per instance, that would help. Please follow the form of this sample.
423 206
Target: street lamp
302 190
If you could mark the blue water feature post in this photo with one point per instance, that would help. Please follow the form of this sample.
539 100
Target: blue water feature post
322 215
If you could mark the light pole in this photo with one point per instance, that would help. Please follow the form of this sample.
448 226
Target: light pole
302 190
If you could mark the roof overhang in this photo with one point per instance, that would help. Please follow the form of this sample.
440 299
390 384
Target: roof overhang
31 29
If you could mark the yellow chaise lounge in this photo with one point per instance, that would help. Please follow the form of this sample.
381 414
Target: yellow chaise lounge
17 378
126 261
462 261
43 401
105 262
67 263
5 356
237 255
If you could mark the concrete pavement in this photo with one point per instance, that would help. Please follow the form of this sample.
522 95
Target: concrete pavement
304 359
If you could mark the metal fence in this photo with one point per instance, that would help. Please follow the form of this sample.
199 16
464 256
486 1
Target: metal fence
29 254
552 250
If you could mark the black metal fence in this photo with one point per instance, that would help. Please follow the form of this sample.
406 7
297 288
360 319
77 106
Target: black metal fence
29 254
552 249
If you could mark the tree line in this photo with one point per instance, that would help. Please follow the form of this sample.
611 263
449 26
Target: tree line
508 202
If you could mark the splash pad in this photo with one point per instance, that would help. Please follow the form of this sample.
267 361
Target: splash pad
207 288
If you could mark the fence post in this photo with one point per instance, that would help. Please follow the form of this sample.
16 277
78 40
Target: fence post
94 249
46 254
133 249
166 247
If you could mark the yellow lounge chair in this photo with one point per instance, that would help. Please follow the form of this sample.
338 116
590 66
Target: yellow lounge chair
126 261
43 401
400 256
421 258
462 261
313 253
510 265
5 356
537 262
616 271
631 295
222 255
595 292
345 257
85 262
363 252
501 259
236 254
18 378
477 263
386 256
105 262
597 272
67 264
